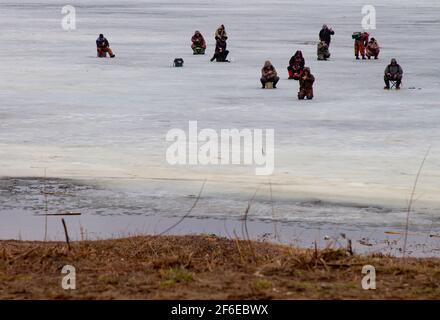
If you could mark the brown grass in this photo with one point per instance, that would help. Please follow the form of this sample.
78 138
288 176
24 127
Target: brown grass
205 267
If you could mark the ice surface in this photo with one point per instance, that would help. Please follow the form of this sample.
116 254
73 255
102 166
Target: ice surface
83 117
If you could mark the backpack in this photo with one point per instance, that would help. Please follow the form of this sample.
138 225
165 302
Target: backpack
356 35
178 62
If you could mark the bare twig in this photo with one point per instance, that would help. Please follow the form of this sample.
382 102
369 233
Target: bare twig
59 214
244 225
315 253
275 229
411 200
24 255
66 233
350 247
45 203
189 211
246 214
237 243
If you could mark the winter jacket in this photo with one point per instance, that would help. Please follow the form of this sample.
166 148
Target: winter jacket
326 35
306 81
394 69
322 49
220 46
373 46
363 38
297 61
268 72
102 43
198 40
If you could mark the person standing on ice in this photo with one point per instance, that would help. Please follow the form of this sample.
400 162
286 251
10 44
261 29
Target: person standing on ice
393 72
103 47
269 74
373 49
296 65
326 34
360 43
220 53
220 33
306 85
198 43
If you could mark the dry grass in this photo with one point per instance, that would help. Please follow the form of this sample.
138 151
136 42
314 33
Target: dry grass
201 267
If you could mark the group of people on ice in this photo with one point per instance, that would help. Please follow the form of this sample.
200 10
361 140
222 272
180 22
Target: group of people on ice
325 37
297 71
198 44
369 48
363 47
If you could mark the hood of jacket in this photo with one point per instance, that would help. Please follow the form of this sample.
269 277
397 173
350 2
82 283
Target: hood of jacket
267 64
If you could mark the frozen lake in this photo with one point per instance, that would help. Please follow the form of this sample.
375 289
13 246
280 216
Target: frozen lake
347 158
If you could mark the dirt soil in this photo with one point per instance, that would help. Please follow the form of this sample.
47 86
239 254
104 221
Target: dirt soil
206 267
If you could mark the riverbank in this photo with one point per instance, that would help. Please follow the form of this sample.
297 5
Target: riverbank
114 209
206 267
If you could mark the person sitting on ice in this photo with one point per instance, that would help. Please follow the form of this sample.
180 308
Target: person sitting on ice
323 52
103 47
198 43
373 49
296 65
220 53
393 72
360 43
269 74
326 34
306 85
220 33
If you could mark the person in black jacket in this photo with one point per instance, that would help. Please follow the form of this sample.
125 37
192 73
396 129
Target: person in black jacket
220 51
393 72
103 47
326 34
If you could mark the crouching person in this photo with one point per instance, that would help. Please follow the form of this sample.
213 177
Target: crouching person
221 53
198 43
296 65
373 49
393 72
323 52
306 85
269 75
103 47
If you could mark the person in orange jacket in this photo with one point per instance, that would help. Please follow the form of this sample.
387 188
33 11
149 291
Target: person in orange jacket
360 44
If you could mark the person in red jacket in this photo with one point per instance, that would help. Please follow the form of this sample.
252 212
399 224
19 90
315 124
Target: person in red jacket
296 65
360 43
198 43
